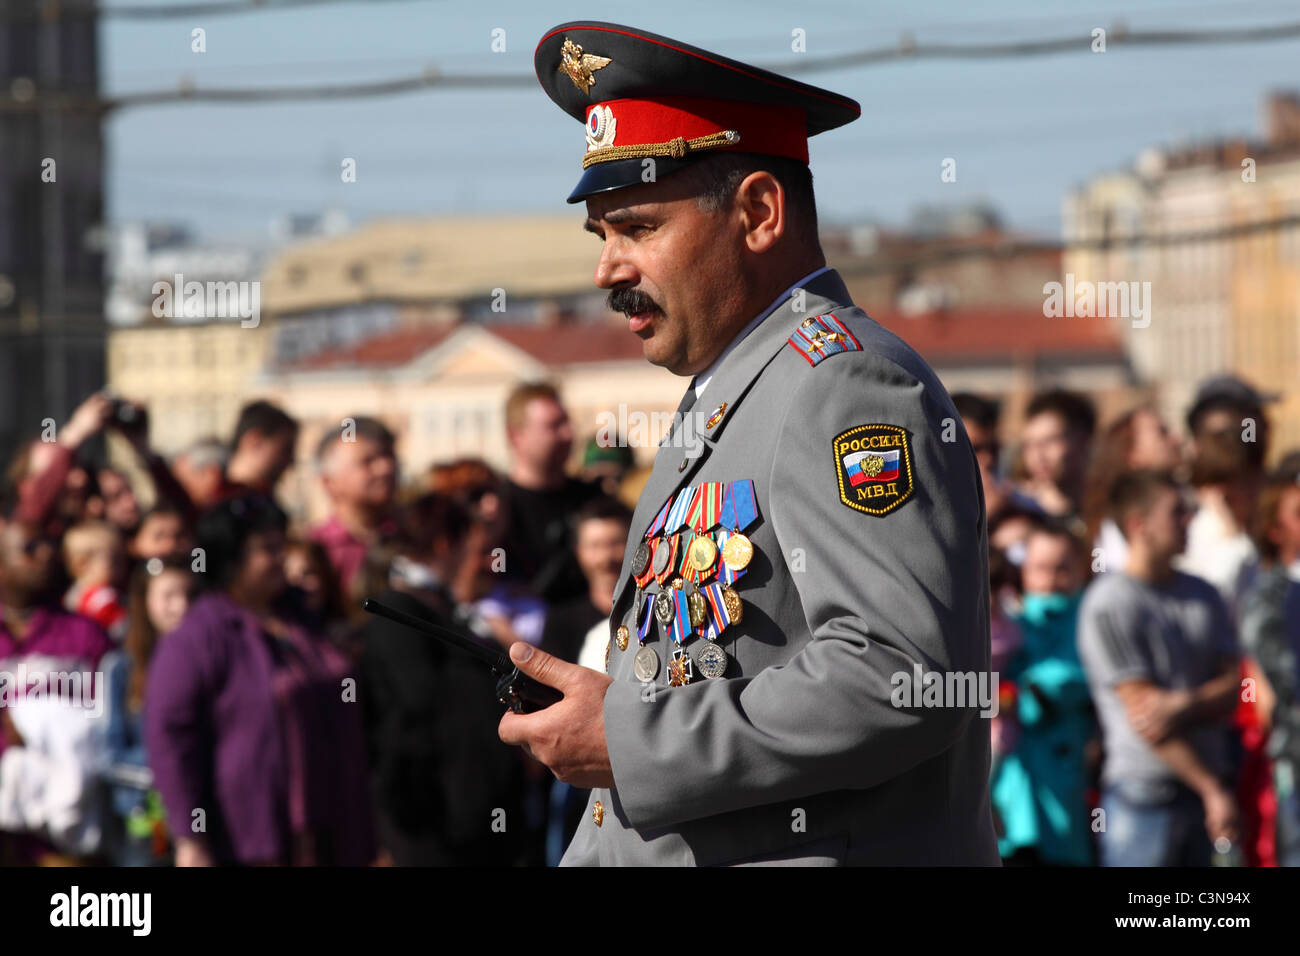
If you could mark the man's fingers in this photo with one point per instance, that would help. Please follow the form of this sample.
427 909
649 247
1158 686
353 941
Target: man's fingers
540 666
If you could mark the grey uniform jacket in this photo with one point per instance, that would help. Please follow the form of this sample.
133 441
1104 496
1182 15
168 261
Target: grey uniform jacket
799 754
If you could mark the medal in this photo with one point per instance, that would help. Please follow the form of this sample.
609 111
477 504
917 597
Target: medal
679 668
640 558
664 608
678 583
737 551
703 552
712 660
697 607
623 635
663 555
645 666
731 601
607 643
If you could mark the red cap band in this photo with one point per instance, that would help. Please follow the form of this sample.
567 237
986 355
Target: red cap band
763 128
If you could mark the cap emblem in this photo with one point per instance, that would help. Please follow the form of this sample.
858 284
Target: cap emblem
579 66
601 128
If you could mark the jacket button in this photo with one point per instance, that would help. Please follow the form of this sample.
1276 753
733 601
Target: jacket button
598 813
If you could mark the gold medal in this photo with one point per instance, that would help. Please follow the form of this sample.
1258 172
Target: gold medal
737 552
698 608
703 553
598 813
731 601
679 583
623 635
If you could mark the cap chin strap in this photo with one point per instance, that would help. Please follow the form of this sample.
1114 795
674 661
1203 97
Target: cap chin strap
676 148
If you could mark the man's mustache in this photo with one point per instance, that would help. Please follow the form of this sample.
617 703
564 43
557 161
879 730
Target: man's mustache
631 301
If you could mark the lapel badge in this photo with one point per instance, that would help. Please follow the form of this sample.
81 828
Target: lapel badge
579 66
716 416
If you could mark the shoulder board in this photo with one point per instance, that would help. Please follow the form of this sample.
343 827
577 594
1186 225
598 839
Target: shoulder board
821 336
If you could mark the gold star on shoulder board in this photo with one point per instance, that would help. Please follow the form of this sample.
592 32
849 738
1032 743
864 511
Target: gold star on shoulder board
579 66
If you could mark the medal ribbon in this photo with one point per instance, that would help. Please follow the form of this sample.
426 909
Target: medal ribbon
746 508
718 618
727 516
677 513
694 509
684 556
660 520
682 617
710 504
647 615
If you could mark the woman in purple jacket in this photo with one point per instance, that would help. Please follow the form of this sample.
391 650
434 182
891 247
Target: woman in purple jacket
251 724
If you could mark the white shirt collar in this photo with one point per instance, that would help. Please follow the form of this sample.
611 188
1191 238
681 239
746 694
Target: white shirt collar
701 381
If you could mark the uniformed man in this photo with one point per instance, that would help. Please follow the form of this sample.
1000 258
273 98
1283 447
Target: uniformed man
806 582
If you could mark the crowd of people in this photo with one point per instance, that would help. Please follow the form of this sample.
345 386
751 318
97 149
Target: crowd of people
195 682
1146 632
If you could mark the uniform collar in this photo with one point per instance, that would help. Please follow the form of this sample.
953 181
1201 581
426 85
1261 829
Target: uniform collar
701 381
737 371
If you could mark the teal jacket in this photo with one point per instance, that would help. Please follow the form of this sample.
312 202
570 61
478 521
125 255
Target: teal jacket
1040 788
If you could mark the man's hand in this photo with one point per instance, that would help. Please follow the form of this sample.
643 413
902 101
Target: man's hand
88 420
1157 714
191 852
568 736
1220 814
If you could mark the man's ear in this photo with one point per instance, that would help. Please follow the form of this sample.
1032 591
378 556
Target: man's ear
761 202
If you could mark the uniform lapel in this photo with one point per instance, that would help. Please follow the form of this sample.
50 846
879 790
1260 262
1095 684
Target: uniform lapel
674 466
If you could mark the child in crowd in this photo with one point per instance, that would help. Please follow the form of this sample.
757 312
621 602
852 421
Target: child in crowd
1040 787
160 594
96 561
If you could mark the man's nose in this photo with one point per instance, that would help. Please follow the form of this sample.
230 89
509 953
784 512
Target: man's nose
614 269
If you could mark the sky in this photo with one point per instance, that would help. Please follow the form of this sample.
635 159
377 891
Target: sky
1023 131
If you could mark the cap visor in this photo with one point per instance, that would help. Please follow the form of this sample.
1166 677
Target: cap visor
619 173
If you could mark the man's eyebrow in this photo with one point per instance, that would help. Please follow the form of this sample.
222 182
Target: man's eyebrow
615 217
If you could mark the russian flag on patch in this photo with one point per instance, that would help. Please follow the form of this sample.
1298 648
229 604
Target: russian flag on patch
864 466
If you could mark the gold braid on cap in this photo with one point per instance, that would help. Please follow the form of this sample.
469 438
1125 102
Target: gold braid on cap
675 148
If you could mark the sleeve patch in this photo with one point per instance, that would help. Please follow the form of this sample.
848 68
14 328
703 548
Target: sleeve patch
822 336
873 467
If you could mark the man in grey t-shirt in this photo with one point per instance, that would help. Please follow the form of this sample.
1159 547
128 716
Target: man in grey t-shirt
1161 656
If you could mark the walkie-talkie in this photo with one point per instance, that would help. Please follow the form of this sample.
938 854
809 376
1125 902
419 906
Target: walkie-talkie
517 691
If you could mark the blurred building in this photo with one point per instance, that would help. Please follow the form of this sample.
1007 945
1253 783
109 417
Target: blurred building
335 292
1227 304
944 257
51 207
968 296
194 376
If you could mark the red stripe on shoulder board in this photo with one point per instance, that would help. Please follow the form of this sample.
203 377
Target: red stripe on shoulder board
795 345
